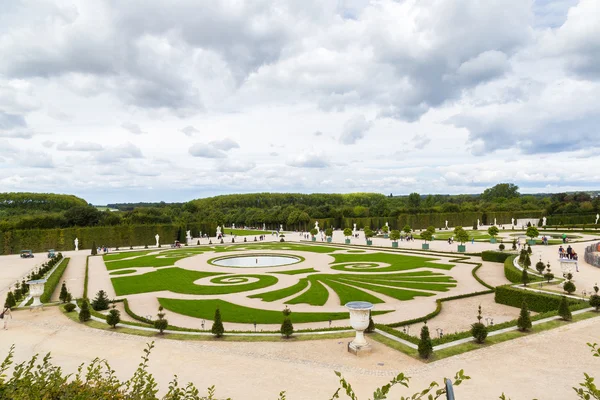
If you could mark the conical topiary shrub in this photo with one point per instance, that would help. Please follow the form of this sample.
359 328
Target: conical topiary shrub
217 328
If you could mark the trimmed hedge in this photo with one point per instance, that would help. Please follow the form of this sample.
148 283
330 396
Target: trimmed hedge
478 279
53 280
538 302
495 256
510 272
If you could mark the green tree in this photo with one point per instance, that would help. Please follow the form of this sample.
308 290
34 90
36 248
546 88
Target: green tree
595 298
10 300
532 232
329 232
478 329
407 229
287 329
94 249
113 317
414 200
395 235
101 301
425 347
493 231
313 232
461 235
525 277
64 293
529 251
501 191
161 323
548 275
347 232
569 287
431 229
426 236
217 327
524 321
540 267
385 229
84 311
514 244
563 309
527 261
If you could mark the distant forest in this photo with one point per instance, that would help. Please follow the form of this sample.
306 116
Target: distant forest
32 210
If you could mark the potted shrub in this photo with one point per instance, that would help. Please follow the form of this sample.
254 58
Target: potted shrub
394 236
493 232
426 236
462 237
313 234
407 229
368 235
329 234
385 231
532 232
347 234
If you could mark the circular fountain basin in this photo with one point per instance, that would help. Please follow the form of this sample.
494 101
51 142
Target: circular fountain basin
259 260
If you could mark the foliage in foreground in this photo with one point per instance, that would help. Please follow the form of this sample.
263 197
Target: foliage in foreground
42 380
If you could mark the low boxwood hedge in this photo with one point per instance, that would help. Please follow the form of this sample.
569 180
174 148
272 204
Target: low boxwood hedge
538 302
495 256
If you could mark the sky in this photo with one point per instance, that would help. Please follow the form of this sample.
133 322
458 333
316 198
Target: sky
147 100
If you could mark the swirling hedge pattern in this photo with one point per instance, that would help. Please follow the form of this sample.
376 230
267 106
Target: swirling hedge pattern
181 280
349 287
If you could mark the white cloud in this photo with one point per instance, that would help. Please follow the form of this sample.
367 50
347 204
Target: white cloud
355 129
309 160
205 151
79 146
133 128
225 144
190 130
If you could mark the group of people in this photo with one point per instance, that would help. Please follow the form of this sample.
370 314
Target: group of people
569 253
102 249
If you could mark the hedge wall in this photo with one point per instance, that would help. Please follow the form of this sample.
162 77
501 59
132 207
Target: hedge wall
495 256
510 272
40 240
538 302
422 221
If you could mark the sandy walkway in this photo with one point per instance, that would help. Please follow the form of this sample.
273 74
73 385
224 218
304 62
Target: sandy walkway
305 369
73 276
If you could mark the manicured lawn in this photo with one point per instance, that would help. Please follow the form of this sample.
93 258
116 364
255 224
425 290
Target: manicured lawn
127 254
297 271
146 261
205 309
276 246
397 262
282 293
122 272
180 280
244 232
316 295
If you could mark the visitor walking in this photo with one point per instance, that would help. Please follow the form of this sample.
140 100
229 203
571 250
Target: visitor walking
575 258
4 316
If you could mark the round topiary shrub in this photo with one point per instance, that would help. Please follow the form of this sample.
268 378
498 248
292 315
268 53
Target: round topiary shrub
69 307
569 287
502 247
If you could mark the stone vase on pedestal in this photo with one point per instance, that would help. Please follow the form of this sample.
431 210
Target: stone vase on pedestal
359 320
36 290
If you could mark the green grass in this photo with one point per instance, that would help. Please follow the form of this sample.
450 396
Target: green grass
180 280
281 293
120 256
316 295
297 271
205 309
143 261
53 280
122 272
276 246
398 262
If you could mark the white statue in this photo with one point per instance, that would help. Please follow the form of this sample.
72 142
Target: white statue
597 218
354 229
388 225
188 235
478 222
512 221
446 224
544 221
157 238
218 230
232 226
317 226
280 227
494 221
76 244
264 227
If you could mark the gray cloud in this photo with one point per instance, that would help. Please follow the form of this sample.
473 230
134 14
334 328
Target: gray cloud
205 151
119 153
225 144
355 129
234 166
190 130
318 133
309 160
79 146
420 141
11 121
133 128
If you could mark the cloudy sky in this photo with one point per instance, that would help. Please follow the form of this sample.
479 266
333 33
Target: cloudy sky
143 100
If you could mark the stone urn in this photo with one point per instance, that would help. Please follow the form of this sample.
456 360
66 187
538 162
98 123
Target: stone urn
36 290
359 320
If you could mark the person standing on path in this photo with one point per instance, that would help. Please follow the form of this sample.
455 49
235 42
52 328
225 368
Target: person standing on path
4 316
